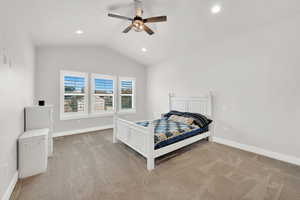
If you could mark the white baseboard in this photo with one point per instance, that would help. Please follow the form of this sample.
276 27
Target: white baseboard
11 187
260 151
79 131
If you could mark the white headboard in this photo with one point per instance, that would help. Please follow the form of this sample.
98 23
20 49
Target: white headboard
201 104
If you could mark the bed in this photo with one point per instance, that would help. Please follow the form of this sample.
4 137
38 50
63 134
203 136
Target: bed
145 136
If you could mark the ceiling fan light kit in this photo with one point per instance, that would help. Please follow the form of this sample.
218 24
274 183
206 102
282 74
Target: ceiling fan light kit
137 22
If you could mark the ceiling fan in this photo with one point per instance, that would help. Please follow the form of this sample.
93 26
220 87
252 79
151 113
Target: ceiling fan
137 22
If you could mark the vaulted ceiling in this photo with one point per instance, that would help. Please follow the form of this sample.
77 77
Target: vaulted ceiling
190 23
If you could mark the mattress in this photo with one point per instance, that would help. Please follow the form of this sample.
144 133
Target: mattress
169 132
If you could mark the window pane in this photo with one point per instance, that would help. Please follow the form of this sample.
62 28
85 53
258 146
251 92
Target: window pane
103 86
74 85
126 87
103 103
74 103
126 102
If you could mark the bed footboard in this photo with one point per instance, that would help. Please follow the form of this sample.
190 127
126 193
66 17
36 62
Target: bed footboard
140 138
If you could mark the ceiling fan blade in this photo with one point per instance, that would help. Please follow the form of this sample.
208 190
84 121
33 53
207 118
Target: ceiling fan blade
128 28
155 19
148 30
119 16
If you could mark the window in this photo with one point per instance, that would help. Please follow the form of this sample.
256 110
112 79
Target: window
78 101
127 94
102 93
74 99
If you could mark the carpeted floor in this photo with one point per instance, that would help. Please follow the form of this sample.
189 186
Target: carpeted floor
91 167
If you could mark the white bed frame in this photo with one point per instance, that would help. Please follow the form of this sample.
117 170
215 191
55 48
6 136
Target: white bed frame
141 139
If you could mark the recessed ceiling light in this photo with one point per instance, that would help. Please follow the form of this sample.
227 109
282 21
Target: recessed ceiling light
216 9
79 32
144 49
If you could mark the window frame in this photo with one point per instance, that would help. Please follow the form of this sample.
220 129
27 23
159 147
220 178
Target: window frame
92 93
73 115
133 95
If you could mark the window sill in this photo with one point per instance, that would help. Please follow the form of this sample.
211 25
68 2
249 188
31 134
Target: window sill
125 112
97 115
74 117
93 115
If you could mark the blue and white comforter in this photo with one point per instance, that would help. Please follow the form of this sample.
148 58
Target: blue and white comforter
167 129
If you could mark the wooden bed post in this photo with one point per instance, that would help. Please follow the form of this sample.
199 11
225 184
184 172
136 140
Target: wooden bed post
150 144
115 127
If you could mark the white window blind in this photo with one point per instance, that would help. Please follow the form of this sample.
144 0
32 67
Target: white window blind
127 94
102 93
74 99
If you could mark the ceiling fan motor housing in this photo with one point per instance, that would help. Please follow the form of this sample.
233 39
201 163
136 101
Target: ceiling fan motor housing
138 23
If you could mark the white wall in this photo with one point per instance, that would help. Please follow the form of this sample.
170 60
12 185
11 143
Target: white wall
16 89
50 60
255 79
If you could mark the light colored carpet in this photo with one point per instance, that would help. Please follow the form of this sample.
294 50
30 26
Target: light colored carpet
91 167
